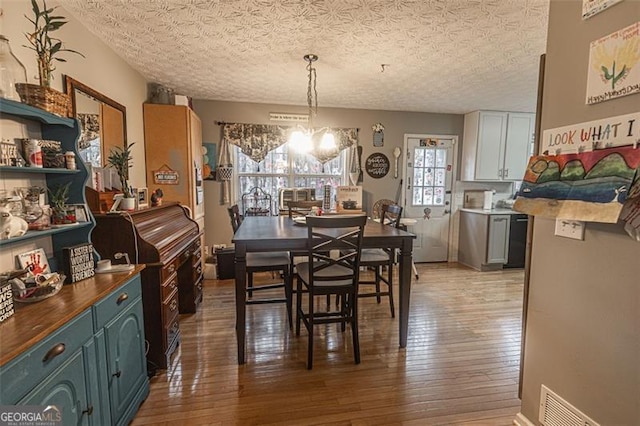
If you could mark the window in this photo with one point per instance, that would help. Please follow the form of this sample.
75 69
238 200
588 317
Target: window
429 176
283 168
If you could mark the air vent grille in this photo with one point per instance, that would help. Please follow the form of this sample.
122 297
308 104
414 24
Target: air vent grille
555 411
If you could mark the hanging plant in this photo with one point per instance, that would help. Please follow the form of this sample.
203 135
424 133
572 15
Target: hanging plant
47 48
378 127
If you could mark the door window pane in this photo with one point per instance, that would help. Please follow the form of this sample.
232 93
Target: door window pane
430 172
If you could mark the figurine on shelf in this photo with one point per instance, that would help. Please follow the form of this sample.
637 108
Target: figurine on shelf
156 198
10 225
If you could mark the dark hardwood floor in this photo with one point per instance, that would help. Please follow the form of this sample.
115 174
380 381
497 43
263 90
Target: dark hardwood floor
460 365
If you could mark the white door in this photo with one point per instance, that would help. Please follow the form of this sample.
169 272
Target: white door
427 194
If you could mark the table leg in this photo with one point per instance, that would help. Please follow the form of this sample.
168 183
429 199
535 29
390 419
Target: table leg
241 277
406 263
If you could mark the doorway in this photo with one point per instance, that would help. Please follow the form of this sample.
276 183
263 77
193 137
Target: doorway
427 180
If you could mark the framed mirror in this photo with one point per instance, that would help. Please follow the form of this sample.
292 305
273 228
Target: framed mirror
103 122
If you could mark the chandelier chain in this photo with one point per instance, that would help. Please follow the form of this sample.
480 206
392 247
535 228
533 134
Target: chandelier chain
312 93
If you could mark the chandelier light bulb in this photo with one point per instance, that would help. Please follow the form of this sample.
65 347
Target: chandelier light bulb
328 141
300 141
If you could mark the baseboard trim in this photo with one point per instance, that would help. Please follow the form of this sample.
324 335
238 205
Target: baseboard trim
521 420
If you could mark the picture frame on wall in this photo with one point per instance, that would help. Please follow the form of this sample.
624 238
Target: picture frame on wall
142 198
81 212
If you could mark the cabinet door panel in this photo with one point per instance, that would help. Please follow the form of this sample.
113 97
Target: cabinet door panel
125 358
65 389
491 139
498 244
519 138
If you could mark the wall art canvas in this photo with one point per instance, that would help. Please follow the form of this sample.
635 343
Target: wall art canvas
614 65
35 261
589 186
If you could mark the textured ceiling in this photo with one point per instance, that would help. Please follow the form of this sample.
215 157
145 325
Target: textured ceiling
451 56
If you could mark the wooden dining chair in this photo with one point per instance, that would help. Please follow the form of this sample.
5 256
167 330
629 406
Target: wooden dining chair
379 258
277 261
325 275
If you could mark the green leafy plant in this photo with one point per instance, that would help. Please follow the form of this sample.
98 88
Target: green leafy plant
46 47
58 197
120 159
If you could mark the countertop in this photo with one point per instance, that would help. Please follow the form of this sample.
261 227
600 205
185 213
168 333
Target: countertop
490 212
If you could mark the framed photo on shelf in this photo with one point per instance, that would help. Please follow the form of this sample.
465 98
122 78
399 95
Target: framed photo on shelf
81 212
142 198
35 261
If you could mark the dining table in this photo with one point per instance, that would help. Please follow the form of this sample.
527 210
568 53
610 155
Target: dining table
281 233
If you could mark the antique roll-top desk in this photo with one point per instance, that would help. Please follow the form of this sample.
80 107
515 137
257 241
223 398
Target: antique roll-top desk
168 242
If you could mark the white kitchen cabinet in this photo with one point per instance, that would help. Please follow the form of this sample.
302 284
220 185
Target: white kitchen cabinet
496 145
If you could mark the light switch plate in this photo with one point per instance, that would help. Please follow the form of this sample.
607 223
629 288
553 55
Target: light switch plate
570 229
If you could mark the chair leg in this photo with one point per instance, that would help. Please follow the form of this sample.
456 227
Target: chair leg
298 306
377 279
288 290
354 327
390 285
250 284
310 332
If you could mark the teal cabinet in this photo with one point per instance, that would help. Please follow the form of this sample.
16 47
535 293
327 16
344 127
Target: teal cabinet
66 390
93 369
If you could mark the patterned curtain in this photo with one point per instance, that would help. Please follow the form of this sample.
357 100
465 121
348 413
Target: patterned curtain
257 140
90 125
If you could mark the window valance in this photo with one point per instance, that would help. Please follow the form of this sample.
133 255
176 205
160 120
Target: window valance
257 140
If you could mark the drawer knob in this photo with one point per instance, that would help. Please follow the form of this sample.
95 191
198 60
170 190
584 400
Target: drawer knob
88 411
171 268
122 298
173 305
54 352
117 374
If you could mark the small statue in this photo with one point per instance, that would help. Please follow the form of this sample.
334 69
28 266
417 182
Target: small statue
10 225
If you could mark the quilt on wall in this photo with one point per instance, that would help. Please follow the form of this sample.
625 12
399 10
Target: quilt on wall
588 186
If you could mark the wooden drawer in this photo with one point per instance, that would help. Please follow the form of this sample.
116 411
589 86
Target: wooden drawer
170 307
30 368
197 255
116 302
169 286
197 272
170 268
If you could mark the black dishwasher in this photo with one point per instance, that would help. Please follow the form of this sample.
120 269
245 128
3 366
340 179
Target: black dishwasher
517 241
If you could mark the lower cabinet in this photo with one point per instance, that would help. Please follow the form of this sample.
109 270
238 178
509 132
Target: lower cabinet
484 240
92 371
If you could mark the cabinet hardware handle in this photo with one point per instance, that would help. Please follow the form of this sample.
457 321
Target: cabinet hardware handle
54 352
88 411
172 268
172 284
506 172
199 270
117 374
122 298
173 306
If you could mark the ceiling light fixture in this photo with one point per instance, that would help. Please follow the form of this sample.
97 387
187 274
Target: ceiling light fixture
301 139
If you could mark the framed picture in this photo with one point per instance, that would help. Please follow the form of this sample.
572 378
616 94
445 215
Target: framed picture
35 261
142 198
81 212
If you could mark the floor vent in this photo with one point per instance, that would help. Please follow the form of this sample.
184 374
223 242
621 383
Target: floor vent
555 411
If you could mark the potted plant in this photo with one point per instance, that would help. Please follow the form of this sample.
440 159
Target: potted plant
61 213
47 49
120 159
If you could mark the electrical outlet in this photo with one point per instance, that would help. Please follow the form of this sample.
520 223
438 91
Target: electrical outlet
570 229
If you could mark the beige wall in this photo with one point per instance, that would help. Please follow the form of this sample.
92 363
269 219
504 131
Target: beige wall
583 327
102 69
217 226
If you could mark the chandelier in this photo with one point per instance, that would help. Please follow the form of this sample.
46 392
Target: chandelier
301 139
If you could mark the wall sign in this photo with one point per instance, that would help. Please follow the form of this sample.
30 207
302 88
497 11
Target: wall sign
377 165
614 68
166 176
78 262
592 7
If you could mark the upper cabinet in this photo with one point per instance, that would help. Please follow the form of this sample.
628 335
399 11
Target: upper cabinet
173 144
496 145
